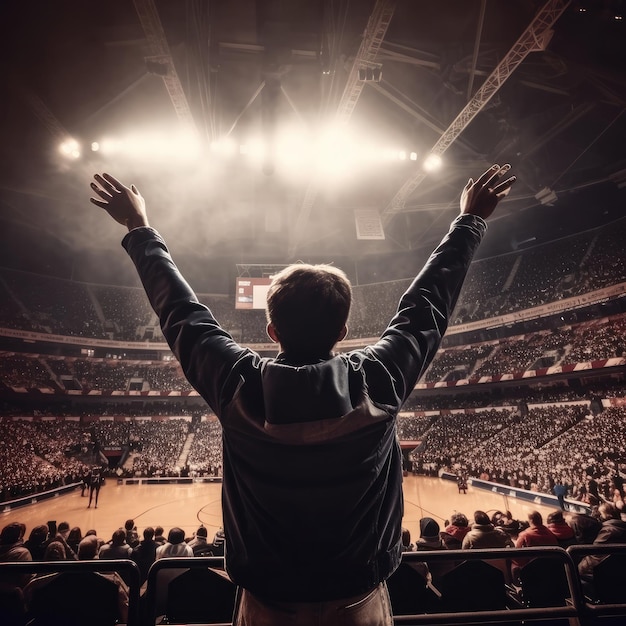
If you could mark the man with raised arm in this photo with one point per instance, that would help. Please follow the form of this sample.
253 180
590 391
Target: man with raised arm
309 437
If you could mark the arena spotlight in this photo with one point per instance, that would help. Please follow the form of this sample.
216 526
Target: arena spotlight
432 162
225 146
95 146
70 148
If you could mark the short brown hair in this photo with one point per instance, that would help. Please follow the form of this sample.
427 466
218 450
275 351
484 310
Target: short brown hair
308 306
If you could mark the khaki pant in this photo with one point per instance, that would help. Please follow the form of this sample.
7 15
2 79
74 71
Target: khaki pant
370 609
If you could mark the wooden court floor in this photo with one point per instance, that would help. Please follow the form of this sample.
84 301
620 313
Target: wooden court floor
188 506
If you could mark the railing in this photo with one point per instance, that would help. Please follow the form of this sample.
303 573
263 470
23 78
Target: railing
516 612
574 606
595 609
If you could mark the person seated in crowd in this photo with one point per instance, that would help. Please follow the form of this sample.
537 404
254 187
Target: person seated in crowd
12 543
74 537
116 548
455 531
219 541
63 532
12 549
612 530
55 551
484 534
537 534
159 537
429 538
509 525
585 527
199 544
144 554
407 546
36 542
175 545
561 529
132 538
87 551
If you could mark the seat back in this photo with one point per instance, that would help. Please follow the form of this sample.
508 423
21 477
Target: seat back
409 592
544 583
74 591
473 586
199 592
609 579
200 595
75 599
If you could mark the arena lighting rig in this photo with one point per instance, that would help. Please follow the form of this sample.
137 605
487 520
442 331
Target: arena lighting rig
330 153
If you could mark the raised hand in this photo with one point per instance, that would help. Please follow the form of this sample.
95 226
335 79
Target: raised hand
124 204
481 197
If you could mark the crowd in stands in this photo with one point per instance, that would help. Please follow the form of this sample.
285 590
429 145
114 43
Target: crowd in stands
33 459
561 443
462 531
67 543
586 341
160 445
519 280
524 446
205 456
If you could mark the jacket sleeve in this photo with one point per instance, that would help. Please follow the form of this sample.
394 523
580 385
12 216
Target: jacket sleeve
204 349
414 334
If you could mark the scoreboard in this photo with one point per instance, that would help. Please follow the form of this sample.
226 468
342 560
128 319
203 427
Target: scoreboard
251 293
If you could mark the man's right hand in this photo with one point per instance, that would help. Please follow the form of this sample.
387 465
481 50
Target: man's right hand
124 204
481 197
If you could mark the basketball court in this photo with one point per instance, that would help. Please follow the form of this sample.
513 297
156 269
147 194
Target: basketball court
189 505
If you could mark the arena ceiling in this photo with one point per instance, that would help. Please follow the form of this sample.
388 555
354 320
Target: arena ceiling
248 70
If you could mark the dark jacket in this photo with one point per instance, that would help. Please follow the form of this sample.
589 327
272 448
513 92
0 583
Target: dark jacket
611 531
310 448
486 536
144 555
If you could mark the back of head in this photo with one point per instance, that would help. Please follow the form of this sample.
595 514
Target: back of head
429 528
458 519
556 517
148 533
535 519
63 527
607 510
129 524
55 551
119 537
38 534
176 535
308 306
88 548
202 532
10 534
480 517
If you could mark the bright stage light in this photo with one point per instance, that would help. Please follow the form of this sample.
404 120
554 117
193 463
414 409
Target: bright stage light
109 146
224 146
70 148
432 162
254 150
152 146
